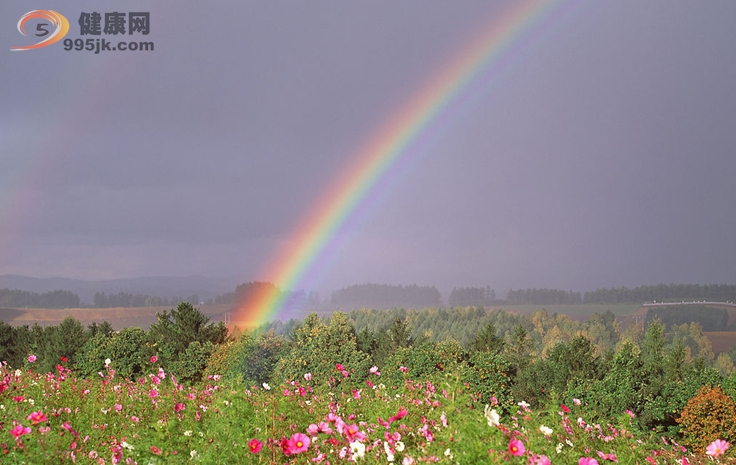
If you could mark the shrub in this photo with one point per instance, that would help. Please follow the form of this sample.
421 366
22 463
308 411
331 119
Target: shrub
708 416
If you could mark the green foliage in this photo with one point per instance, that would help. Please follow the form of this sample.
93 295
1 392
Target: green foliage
424 360
184 340
709 318
192 364
488 374
49 344
487 341
258 362
317 349
128 350
660 412
620 388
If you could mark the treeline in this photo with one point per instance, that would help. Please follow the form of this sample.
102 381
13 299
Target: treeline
709 318
543 297
386 296
126 299
662 293
292 299
471 296
52 299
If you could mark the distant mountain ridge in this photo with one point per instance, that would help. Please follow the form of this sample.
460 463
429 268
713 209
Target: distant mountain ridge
160 286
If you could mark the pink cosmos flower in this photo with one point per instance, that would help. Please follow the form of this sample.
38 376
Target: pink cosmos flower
516 447
154 359
399 415
37 417
587 461
339 367
118 407
255 446
565 408
155 450
353 433
612 457
178 407
19 431
31 358
299 442
403 369
539 460
308 376
717 447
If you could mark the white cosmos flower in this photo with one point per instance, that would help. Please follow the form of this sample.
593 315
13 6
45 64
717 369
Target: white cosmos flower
494 419
358 449
389 454
546 430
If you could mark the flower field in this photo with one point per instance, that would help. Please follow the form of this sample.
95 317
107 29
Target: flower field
57 418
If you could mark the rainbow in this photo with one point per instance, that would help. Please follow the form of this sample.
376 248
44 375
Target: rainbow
342 201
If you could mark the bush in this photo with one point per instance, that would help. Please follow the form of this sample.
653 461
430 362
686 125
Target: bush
708 416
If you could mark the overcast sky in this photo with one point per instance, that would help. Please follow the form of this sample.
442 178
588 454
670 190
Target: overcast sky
600 152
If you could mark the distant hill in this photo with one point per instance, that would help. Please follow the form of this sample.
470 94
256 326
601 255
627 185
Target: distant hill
161 286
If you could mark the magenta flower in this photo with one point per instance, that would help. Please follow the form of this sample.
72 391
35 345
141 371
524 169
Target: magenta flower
612 457
299 442
587 461
353 433
516 447
255 446
37 417
19 431
178 407
154 359
399 415
717 447
539 460
31 358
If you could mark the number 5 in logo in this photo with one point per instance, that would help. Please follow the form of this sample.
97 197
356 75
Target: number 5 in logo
59 22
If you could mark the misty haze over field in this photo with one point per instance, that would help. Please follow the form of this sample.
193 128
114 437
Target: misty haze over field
600 151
